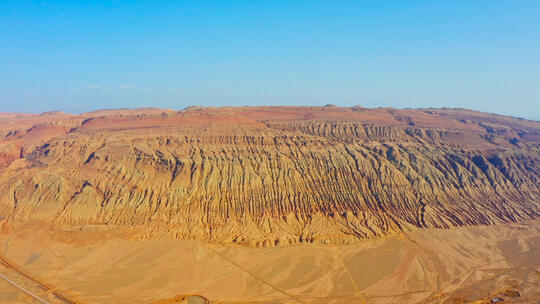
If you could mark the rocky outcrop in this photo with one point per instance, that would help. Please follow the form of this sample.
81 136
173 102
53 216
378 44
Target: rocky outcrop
270 176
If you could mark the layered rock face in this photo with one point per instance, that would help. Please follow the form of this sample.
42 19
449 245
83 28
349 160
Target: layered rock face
269 176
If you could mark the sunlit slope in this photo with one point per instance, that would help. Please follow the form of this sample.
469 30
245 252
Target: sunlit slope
269 176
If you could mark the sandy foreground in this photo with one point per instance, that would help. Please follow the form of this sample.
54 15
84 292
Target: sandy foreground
95 264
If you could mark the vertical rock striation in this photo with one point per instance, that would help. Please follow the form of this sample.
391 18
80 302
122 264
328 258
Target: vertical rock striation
268 176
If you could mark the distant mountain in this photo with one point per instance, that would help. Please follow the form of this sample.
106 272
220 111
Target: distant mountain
267 176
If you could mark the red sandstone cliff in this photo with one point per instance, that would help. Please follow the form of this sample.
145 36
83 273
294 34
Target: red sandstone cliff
269 175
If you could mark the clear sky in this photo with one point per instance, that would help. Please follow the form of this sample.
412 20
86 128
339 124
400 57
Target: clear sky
79 56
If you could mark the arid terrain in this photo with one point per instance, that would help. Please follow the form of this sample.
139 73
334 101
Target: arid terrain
269 205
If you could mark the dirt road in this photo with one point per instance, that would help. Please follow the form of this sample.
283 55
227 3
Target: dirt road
28 292
59 298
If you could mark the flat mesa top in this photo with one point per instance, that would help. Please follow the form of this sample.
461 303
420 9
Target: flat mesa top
445 118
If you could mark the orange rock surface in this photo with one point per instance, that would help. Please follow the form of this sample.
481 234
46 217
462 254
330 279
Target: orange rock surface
268 176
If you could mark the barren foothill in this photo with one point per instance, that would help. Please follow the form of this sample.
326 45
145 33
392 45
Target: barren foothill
270 205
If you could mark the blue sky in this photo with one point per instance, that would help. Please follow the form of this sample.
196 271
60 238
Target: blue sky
79 56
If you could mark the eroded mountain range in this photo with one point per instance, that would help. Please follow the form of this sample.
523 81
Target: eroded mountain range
269 176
